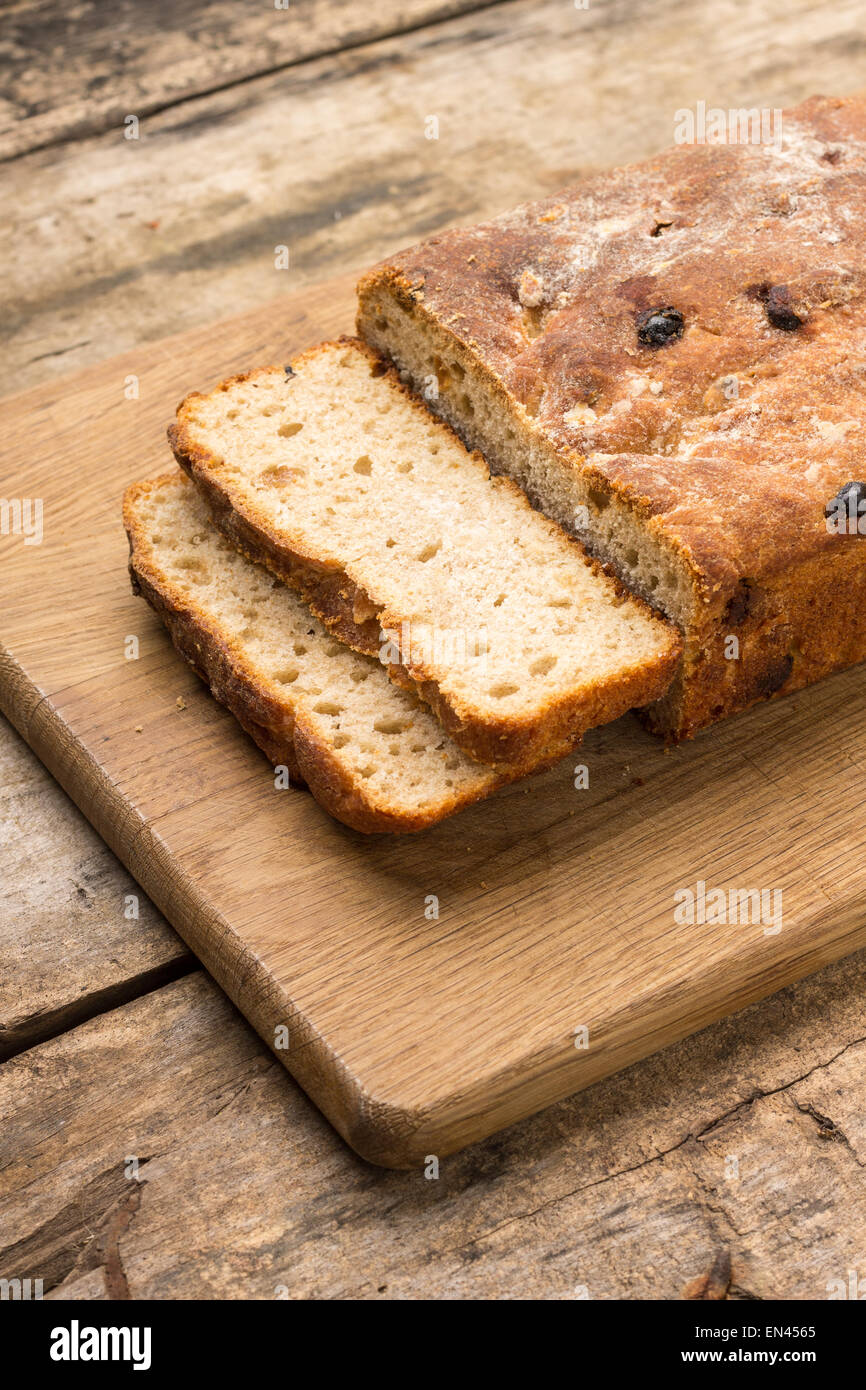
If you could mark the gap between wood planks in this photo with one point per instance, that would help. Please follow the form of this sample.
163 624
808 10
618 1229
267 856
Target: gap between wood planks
42 1027
105 118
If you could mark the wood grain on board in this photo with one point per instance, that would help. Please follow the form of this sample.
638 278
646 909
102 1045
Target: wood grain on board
414 1035
109 243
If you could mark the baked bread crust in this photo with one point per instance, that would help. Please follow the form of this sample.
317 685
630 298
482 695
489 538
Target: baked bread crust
271 718
520 745
725 442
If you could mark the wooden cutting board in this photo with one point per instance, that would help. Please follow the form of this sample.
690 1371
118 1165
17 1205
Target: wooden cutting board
556 956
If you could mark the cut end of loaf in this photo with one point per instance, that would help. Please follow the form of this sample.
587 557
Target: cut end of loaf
668 358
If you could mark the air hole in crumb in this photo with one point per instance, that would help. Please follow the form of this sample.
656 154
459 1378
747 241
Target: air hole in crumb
290 427
458 371
364 465
376 369
598 499
429 551
404 468
340 740
232 414
194 568
466 405
328 707
287 675
389 726
542 665
366 771
501 691
631 557
389 544
299 649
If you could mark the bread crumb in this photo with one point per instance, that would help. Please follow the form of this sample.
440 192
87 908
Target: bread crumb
530 290
139 729
579 415
180 702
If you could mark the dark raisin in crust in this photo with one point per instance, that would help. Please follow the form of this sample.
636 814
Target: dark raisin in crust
657 327
780 310
850 497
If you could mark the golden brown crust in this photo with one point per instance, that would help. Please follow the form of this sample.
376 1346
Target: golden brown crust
734 485
792 630
285 737
522 746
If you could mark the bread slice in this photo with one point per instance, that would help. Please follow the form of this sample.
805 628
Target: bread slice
371 753
670 359
338 479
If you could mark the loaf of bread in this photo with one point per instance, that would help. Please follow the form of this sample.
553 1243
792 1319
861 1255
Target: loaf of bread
372 754
340 481
671 360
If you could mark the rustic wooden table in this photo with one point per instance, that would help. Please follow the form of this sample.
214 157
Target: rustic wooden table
729 1165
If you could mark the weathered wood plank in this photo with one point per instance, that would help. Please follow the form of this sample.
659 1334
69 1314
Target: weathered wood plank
111 243
71 70
747 1141
68 950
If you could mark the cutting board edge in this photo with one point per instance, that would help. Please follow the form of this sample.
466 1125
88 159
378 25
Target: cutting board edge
379 1128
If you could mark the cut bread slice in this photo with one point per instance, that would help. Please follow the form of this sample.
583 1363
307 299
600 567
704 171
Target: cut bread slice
372 754
340 480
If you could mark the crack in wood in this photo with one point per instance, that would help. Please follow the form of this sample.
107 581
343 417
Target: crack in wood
83 1235
119 1221
739 1109
828 1129
712 1286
